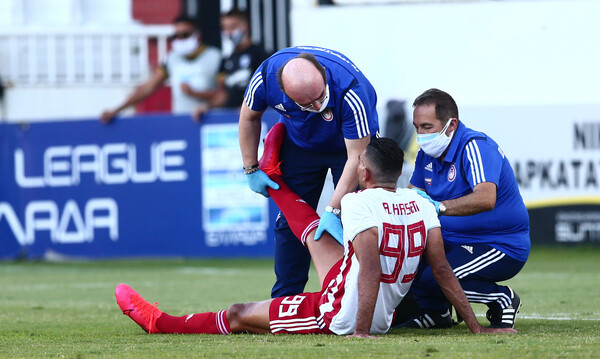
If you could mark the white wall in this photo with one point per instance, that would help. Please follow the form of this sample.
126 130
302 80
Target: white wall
40 13
483 53
71 102
34 35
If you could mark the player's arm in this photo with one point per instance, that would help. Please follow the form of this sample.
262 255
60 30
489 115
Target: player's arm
366 248
349 180
444 276
249 134
139 94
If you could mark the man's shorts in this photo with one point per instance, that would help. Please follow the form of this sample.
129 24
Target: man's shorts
299 314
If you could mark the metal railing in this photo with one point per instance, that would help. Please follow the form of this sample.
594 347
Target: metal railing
50 57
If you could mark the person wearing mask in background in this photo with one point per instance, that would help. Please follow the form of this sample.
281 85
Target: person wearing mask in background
191 67
238 67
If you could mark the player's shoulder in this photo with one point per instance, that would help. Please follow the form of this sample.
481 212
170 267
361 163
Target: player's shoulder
363 196
411 195
407 195
352 196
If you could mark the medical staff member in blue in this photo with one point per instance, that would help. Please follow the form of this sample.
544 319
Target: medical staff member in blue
484 221
328 108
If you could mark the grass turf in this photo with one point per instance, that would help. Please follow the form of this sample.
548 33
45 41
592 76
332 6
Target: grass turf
67 310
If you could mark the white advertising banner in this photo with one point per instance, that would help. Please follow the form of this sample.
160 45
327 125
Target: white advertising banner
555 154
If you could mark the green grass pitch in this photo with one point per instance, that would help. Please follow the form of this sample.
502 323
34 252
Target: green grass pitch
68 310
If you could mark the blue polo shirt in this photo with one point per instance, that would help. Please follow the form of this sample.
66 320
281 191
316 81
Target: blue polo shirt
473 158
350 112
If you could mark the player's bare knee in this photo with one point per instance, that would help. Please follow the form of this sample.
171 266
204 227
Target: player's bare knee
235 316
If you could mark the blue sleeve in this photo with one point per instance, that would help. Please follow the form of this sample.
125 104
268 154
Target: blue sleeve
482 162
256 94
359 116
417 179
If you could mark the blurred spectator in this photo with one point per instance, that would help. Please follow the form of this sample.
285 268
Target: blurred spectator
191 66
238 67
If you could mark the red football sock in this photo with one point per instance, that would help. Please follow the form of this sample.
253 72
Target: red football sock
198 323
301 217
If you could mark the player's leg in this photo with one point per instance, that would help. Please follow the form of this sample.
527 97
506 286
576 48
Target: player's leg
239 318
305 178
303 222
298 214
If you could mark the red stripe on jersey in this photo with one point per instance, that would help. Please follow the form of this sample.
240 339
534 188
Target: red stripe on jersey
337 288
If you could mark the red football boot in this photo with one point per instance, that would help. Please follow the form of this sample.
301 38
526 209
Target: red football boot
269 162
137 308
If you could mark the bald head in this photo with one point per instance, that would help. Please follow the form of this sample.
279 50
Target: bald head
303 79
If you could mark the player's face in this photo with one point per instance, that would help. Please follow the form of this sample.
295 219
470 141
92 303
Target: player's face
425 121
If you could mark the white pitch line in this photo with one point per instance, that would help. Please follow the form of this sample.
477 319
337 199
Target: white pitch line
541 317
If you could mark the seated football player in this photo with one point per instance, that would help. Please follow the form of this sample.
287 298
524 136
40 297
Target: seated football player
386 233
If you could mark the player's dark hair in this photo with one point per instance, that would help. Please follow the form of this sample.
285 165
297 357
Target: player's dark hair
311 58
445 106
386 158
237 13
187 19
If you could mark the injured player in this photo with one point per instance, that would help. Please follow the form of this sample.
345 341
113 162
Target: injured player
362 283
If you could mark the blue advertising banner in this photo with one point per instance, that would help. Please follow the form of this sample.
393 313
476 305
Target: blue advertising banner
139 187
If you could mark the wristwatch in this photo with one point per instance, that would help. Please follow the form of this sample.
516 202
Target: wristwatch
442 208
336 211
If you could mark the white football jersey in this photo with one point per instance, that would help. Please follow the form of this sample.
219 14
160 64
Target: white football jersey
403 219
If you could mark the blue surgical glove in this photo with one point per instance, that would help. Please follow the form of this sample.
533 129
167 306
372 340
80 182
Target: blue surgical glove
259 181
426 196
331 223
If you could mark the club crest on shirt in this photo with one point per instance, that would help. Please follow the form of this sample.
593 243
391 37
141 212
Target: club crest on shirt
327 115
452 173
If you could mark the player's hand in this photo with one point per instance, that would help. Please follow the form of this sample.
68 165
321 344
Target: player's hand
259 181
331 223
107 116
432 201
185 88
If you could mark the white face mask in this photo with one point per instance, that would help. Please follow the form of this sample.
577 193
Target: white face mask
236 37
434 144
185 47
323 103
